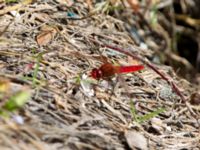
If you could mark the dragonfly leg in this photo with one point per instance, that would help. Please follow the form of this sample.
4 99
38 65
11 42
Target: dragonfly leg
123 83
115 88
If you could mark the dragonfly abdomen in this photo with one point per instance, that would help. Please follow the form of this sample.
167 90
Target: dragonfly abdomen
129 69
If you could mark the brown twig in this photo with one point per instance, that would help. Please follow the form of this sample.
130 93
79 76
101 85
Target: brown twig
161 74
134 56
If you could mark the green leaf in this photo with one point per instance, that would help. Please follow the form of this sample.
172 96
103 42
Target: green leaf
150 115
17 100
154 16
133 111
11 1
146 117
4 114
78 79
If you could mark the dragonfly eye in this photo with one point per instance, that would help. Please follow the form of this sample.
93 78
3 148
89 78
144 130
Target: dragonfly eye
96 73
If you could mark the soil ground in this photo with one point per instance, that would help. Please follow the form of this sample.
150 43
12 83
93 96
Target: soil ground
48 48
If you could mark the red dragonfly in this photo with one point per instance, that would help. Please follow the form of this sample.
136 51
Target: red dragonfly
107 70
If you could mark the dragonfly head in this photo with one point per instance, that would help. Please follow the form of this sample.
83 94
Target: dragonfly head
96 74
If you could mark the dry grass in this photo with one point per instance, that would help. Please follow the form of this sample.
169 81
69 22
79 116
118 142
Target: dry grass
60 114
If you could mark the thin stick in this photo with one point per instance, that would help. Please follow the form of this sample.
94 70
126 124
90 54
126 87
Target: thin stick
134 56
161 74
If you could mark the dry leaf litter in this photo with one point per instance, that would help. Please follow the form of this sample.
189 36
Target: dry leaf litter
67 110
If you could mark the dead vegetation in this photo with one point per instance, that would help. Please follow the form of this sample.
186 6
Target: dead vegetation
49 47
